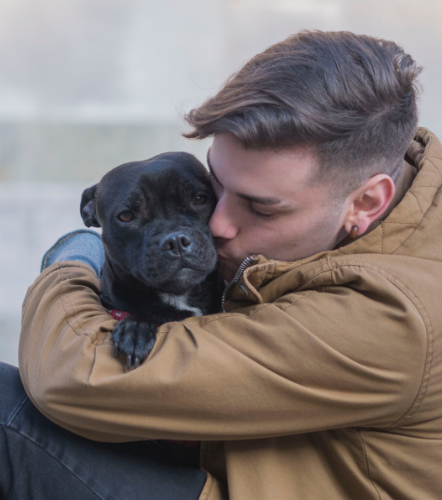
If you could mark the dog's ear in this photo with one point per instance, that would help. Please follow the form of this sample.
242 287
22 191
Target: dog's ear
87 207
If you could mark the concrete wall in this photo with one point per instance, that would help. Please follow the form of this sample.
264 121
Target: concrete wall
69 152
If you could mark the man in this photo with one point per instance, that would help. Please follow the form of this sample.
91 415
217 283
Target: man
323 377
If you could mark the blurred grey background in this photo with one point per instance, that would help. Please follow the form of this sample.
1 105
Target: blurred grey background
88 84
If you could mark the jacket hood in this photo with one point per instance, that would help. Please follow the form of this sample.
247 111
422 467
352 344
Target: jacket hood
412 228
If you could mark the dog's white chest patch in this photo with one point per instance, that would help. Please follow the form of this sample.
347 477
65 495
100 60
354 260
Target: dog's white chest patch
179 302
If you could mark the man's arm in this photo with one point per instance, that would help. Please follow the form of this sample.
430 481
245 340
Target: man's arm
304 363
84 245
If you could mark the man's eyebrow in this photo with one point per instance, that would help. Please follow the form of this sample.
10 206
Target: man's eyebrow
255 199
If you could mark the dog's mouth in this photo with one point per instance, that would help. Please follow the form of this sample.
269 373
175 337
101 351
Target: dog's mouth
183 279
176 278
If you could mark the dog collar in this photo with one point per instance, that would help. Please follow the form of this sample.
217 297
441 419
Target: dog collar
118 315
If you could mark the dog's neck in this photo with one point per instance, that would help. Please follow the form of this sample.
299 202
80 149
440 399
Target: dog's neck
121 290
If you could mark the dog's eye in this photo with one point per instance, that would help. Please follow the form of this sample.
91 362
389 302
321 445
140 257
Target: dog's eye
200 199
126 216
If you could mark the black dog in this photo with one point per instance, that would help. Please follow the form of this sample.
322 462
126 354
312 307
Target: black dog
160 256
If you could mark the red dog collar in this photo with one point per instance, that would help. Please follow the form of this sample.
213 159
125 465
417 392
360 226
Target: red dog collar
118 315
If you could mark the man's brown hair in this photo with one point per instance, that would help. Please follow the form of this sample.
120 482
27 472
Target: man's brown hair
350 98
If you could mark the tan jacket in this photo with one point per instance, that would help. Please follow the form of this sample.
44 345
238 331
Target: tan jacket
323 381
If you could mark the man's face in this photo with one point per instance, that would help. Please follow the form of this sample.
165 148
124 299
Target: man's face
268 205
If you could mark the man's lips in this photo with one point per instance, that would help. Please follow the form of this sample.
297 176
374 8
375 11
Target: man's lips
226 257
228 261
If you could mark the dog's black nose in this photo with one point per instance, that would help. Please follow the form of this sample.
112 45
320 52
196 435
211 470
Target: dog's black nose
175 243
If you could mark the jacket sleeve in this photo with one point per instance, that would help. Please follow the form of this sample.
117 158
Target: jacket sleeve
310 361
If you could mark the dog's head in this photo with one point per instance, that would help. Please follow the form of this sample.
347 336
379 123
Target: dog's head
154 217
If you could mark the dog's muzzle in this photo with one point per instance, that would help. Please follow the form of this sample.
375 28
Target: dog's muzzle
176 244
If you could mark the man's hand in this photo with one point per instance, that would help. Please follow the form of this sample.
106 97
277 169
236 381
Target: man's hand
134 337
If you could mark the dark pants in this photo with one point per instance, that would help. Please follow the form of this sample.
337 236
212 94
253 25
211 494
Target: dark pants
41 461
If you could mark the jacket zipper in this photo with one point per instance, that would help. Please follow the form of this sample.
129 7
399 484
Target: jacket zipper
245 263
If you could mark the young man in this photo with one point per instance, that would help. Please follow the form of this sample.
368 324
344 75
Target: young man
323 377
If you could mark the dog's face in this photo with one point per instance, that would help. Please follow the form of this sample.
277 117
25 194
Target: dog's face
154 215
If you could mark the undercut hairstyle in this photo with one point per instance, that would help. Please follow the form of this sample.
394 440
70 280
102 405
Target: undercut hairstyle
350 99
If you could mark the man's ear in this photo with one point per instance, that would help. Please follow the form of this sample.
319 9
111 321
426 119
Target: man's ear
369 202
87 207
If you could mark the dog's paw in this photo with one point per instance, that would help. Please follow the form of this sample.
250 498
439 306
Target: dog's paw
134 337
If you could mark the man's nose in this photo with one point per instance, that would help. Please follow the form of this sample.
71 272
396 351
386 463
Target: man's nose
223 224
